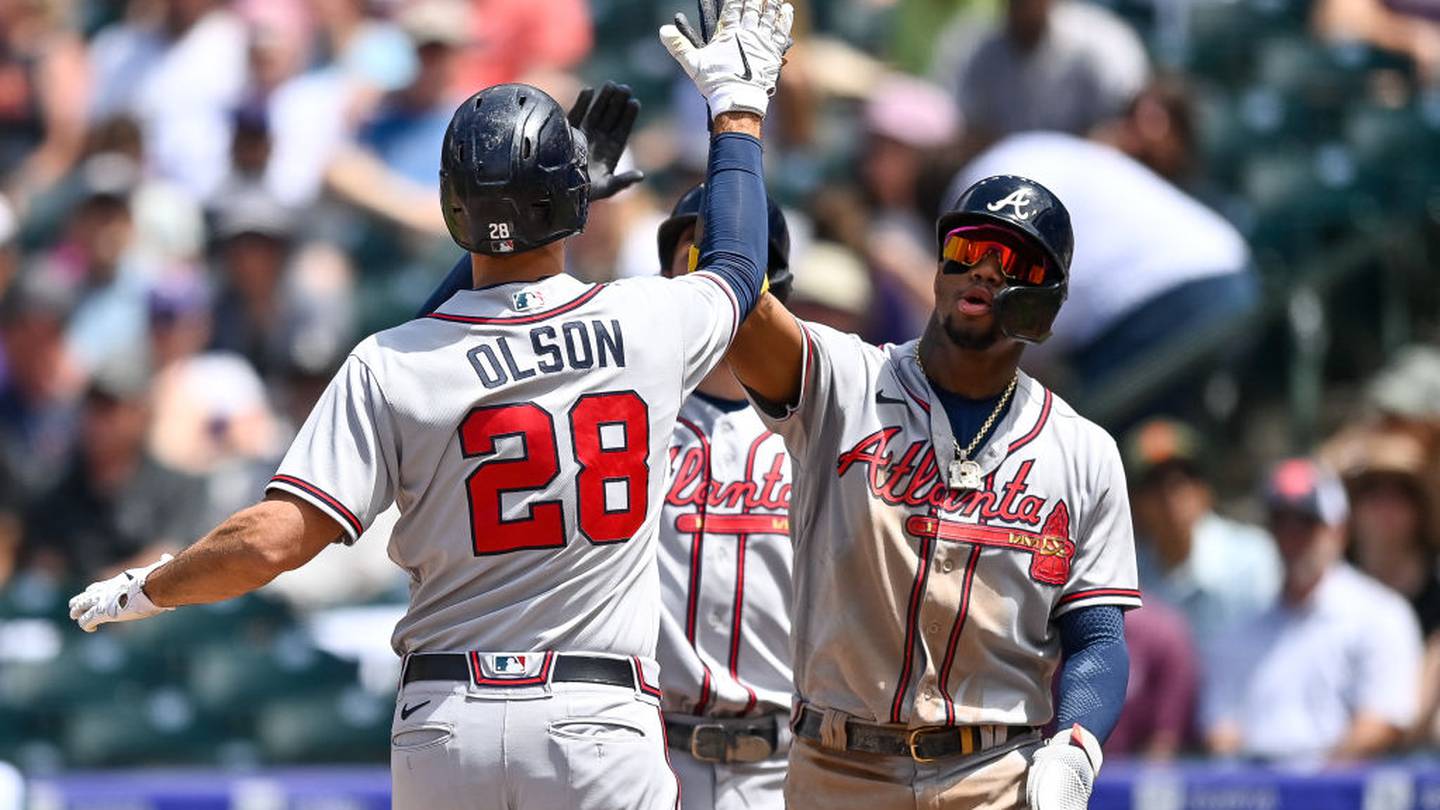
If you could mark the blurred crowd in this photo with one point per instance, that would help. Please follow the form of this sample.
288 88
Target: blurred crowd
205 203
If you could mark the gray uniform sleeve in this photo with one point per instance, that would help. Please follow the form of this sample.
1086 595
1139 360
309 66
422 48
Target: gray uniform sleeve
834 387
1102 571
343 460
707 313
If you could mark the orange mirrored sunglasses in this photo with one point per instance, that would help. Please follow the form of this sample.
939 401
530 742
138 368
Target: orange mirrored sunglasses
1019 262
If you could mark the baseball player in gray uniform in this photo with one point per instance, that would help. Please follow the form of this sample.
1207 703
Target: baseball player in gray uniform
522 430
724 649
956 528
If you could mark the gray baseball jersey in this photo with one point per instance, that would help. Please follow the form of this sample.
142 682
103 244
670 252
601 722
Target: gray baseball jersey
521 429
920 604
725 565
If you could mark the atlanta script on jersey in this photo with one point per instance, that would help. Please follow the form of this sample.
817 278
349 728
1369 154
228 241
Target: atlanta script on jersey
725 565
950 594
518 444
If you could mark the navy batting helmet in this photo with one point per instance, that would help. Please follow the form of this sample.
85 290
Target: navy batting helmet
513 172
1024 312
687 212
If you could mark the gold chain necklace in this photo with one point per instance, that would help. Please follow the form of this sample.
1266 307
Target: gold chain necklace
963 471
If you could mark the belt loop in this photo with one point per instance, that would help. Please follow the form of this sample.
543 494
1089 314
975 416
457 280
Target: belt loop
988 736
832 730
404 667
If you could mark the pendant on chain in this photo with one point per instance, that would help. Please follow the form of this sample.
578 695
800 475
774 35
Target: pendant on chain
964 473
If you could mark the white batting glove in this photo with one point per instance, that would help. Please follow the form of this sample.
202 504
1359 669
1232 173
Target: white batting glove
120 598
1062 771
737 69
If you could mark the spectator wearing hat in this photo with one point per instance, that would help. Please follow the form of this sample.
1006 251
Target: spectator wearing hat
254 237
116 503
1391 531
1215 570
1330 671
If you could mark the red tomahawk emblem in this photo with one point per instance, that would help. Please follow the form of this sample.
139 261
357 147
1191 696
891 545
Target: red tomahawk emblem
1051 549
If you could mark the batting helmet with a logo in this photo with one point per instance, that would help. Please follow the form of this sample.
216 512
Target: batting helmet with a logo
513 172
1025 312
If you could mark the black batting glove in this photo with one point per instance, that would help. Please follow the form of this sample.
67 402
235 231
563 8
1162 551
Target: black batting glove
606 120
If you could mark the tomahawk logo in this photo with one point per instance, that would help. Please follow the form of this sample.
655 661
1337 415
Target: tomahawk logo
1017 199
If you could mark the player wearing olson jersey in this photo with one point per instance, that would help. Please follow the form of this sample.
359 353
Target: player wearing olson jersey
724 649
957 527
522 430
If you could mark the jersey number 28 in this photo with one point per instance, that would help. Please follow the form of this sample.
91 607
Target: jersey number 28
610 434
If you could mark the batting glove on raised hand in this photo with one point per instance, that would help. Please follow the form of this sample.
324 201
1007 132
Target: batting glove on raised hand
120 598
1062 771
737 69
606 121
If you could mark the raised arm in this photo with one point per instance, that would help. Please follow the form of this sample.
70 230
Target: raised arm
768 355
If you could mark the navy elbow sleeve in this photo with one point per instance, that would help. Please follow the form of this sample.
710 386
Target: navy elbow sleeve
1096 670
735 240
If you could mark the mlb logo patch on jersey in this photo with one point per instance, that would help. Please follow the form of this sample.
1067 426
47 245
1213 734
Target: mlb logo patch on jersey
527 300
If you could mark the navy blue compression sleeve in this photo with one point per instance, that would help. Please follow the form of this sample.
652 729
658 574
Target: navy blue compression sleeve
733 246
1096 671
460 278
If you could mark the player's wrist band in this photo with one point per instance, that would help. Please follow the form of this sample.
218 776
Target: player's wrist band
567 668
924 744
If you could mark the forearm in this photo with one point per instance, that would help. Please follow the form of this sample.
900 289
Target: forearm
1368 736
1096 670
768 353
734 242
243 553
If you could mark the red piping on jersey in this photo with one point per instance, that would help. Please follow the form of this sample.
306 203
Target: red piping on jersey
697 543
1093 592
729 296
515 320
924 406
955 631
329 500
476 673
1039 424
808 360
647 688
744 539
665 746
902 685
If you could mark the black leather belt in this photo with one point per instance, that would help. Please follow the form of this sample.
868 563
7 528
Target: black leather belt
564 667
725 739
924 744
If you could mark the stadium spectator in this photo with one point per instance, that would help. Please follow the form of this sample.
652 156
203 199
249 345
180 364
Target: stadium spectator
1391 531
1329 673
39 382
115 503
1215 570
909 125
255 237
44 92
512 40
99 256
1061 65
832 286
178 67
1155 271
9 249
1409 29
1157 722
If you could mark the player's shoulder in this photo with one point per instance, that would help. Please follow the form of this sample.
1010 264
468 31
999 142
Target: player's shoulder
836 341
1072 427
